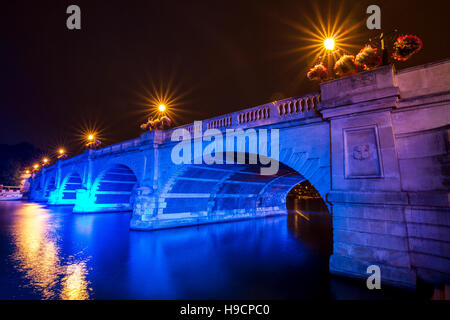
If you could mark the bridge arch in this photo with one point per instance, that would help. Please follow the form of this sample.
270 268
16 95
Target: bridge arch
70 184
50 185
115 187
239 189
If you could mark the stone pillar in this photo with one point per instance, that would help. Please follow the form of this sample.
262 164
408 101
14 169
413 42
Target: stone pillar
146 202
84 202
368 203
40 193
58 174
55 195
88 181
85 198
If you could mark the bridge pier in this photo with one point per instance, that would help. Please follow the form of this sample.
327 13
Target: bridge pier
164 209
389 187
84 202
54 197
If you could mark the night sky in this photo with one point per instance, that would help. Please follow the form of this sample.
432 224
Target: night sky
221 56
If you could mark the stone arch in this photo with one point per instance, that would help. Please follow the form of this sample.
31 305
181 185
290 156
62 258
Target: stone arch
114 188
70 184
237 190
50 185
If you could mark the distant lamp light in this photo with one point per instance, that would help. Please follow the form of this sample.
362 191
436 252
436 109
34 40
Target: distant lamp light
45 160
329 43
27 171
61 154
90 137
162 108
36 166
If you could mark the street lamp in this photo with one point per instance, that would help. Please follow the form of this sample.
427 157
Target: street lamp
162 108
62 154
92 141
329 43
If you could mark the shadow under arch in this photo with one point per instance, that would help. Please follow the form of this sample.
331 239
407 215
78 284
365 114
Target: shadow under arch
309 218
50 186
69 186
229 191
114 188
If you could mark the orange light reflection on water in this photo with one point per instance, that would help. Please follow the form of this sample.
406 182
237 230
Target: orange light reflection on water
38 256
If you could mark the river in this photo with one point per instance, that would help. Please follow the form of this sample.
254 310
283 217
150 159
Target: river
50 253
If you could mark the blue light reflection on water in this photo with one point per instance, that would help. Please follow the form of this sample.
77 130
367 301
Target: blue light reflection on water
50 253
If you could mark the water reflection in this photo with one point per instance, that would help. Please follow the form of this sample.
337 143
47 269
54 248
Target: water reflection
310 221
74 284
38 255
55 254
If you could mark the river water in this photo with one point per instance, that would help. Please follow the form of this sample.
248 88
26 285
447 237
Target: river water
50 253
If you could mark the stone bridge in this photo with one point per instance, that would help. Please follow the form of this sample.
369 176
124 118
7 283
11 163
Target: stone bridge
374 145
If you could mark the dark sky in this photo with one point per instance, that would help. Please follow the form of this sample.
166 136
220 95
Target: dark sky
221 56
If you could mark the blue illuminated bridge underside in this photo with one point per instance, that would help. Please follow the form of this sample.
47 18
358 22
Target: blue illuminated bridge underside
235 191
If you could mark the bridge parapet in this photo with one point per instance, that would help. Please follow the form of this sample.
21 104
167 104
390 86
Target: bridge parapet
70 160
119 147
295 108
278 111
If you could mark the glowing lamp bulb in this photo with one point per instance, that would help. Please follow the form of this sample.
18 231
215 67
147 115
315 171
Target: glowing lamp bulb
162 108
27 172
61 151
329 43
36 166
90 137
45 160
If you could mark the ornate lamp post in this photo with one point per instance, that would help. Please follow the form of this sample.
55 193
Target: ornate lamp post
62 154
160 122
45 162
92 142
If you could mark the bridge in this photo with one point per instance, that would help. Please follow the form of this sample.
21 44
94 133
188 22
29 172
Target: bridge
374 145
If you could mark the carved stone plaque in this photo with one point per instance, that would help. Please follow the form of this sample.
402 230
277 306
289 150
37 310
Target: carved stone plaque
361 151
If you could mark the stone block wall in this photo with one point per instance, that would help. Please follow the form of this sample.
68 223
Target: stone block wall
390 174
